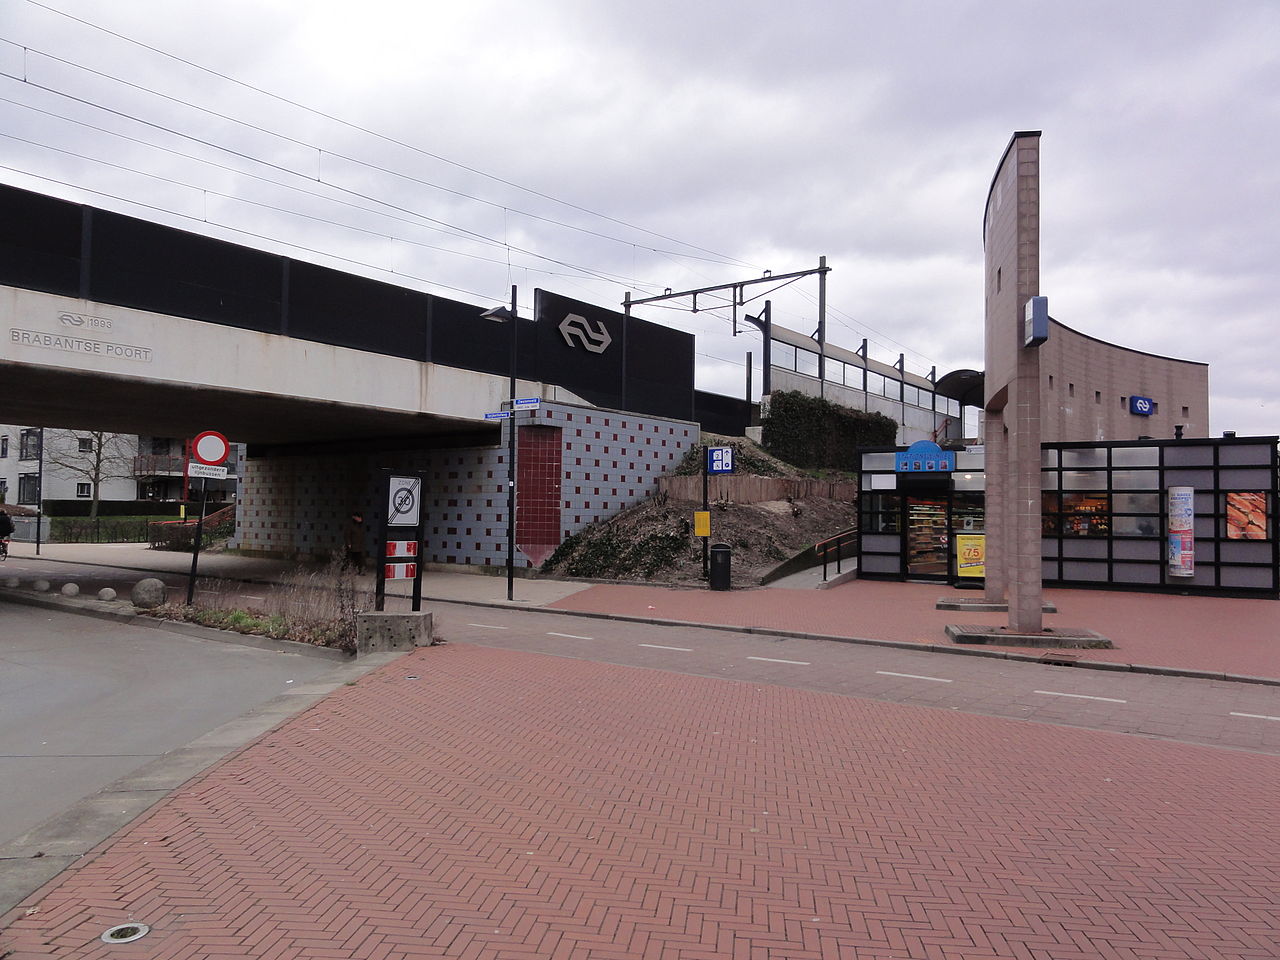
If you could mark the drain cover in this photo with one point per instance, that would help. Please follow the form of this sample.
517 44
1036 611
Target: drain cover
126 933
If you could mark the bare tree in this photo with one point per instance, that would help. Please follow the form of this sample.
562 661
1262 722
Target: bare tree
92 456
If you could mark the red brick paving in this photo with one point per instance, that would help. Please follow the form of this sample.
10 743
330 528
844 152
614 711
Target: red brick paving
511 805
1226 635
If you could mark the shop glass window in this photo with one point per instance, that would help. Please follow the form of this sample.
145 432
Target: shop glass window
783 355
878 461
1084 479
1135 503
1135 479
1135 526
1049 480
1085 515
974 480
1085 457
967 513
1135 457
1048 458
1050 525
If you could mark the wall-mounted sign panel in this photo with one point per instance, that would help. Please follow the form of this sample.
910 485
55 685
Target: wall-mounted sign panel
924 456
1142 406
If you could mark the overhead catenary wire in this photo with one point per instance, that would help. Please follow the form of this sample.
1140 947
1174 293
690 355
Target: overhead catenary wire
724 258
443 226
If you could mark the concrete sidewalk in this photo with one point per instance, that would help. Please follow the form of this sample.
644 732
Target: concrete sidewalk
1218 635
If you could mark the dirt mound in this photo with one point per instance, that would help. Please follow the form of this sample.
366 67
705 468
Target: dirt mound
654 540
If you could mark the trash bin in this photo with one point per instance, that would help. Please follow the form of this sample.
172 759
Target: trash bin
721 555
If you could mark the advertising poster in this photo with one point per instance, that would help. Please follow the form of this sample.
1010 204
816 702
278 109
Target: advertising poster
971 555
1246 516
1182 537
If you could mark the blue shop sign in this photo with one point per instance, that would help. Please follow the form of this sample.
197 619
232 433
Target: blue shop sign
1142 406
924 456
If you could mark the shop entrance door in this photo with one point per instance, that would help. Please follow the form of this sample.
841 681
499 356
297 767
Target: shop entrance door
928 543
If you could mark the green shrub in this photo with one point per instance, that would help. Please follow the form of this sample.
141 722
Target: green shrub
816 433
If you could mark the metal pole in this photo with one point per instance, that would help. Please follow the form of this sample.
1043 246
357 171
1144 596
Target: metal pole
39 489
748 376
195 549
766 377
706 507
822 326
511 459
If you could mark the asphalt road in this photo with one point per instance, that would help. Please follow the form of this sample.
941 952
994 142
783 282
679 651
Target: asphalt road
1213 712
84 702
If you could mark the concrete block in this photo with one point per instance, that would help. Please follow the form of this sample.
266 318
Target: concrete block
381 631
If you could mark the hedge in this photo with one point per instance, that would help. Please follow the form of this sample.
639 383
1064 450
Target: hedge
114 508
813 432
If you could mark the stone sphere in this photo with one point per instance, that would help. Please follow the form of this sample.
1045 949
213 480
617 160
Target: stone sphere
40 586
106 593
148 593
70 589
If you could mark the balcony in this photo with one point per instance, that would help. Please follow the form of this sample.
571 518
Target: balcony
158 465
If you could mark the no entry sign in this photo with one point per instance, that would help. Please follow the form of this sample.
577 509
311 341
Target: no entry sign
210 448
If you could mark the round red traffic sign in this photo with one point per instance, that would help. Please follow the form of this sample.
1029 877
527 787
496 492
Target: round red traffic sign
210 447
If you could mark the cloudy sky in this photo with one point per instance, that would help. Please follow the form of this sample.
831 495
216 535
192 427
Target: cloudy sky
591 148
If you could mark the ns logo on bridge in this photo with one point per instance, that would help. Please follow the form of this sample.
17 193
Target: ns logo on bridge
596 339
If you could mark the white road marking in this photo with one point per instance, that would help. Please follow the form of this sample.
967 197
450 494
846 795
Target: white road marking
1080 696
1255 716
912 676
568 636
487 626
798 663
658 646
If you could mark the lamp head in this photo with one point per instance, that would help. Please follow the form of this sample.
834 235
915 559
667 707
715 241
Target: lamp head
498 315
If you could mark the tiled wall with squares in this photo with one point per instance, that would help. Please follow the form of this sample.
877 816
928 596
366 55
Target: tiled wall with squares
575 465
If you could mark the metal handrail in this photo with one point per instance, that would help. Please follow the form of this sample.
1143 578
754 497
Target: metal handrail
840 540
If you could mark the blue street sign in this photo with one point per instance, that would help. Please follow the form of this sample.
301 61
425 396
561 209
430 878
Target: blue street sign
719 459
528 402
500 415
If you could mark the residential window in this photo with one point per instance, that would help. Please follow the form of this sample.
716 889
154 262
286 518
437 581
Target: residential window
29 444
28 488
1071 389
4 489
1186 412
4 442
1097 396
86 444
83 490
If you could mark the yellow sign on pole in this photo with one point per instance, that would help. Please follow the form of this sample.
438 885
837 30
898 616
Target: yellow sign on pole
971 555
702 523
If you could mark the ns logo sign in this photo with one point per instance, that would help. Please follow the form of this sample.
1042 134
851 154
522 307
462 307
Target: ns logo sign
593 339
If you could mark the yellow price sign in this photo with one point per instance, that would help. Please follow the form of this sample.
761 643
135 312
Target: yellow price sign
702 523
971 555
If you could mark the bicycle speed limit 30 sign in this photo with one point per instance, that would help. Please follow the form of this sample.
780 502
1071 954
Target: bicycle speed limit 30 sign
400 539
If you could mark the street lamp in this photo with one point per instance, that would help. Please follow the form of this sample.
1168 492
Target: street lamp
503 315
